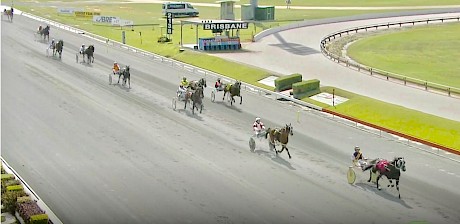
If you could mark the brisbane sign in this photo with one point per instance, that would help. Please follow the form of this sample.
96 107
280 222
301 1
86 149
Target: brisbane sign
225 26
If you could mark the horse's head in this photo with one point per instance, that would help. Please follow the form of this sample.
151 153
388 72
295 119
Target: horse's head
202 82
238 84
399 163
127 68
289 129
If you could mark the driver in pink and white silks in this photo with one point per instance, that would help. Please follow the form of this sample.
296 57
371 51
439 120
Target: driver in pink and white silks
258 127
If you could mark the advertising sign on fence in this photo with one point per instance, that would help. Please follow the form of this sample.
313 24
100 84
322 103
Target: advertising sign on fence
122 22
86 14
104 19
67 11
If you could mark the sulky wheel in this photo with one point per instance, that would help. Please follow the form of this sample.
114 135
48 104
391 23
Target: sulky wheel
213 96
252 144
351 175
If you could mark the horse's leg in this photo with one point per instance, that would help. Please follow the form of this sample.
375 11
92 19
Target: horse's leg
241 99
378 178
223 98
370 175
129 83
397 188
391 183
287 150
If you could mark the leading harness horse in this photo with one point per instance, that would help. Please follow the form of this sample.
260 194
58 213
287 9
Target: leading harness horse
279 136
392 170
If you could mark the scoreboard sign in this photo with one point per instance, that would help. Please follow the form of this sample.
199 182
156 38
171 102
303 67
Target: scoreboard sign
169 23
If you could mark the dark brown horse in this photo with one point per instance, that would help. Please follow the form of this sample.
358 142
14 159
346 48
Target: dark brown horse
89 52
58 47
9 14
392 170
197 99
279 136
126 76
44 32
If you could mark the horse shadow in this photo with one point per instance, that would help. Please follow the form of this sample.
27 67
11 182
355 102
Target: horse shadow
55 57
189 113
120 86
229 106
370 187
275 158
86 64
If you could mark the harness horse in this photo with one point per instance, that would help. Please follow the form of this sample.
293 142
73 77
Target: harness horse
126 76
193 95
233 90
58 47
9 14
392 170
44 32
197 99
279 136
89 52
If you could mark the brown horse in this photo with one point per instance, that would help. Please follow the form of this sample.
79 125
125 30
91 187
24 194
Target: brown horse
233 90
9 14
280 136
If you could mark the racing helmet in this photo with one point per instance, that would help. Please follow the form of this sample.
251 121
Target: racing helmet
257 119
115 63
83 45
184 78
218 79
357 148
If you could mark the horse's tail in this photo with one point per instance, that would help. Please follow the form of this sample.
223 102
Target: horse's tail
266 133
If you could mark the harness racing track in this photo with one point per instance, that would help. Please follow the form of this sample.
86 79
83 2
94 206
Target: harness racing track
100 153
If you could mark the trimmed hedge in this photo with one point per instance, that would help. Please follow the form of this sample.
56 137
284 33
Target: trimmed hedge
23 199
7 176
306 88
28 209
9 200
285 82
39 219
14 188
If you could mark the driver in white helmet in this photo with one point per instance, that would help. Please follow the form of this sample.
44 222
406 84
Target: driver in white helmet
358 158
258 127
52 44
82 49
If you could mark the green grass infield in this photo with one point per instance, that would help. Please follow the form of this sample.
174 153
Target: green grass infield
428 53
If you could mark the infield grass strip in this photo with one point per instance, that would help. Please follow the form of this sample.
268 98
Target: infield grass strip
429 53
414 123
